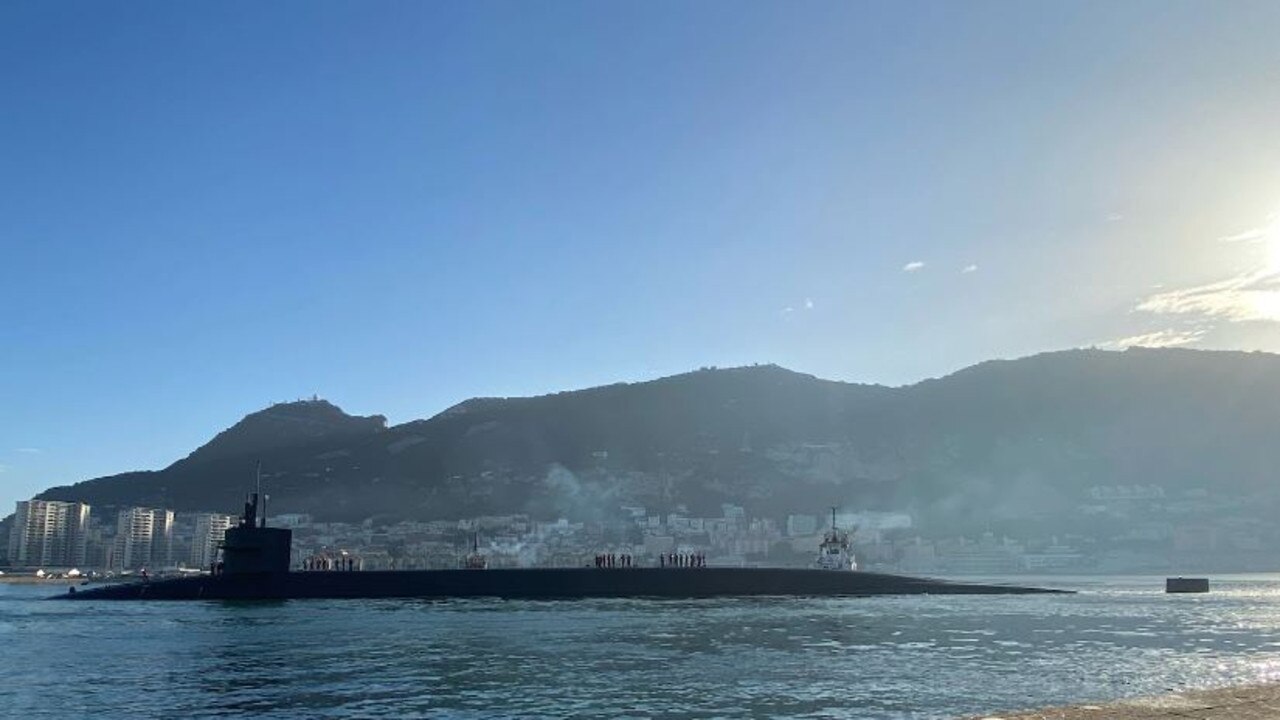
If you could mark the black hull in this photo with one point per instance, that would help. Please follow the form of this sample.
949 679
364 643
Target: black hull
540 583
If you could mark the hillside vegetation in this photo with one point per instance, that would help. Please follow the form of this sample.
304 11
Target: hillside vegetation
1001 442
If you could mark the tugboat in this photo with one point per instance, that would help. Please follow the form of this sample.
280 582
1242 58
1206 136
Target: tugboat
835 552
475 561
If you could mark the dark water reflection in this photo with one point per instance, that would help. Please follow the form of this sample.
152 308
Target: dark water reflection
859 658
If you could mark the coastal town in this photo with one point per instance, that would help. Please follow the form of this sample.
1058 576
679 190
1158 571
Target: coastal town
56 536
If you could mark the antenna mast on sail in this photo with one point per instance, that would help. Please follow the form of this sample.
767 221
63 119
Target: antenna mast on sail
258 494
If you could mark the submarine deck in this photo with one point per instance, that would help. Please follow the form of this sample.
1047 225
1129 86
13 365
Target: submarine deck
541 583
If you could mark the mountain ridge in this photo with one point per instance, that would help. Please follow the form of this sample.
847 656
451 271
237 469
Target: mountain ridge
1002 441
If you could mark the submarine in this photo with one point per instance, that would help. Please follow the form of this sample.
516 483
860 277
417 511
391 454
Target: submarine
256 566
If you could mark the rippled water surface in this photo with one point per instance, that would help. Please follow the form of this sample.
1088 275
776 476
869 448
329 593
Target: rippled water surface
891 657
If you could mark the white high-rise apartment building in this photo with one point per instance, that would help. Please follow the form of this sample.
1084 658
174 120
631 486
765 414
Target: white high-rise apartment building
144 538
48 533
210 528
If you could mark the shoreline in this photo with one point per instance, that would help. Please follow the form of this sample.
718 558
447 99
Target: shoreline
1238 702
33 580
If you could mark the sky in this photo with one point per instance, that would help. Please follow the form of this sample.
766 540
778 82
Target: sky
209 207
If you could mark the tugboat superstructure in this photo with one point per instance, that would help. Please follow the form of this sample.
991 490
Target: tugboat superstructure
475 561
835 552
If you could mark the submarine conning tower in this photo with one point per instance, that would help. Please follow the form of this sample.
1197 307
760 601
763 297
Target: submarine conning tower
252 547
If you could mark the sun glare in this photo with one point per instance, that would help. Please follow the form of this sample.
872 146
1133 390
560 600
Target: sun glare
1264 304
1271 239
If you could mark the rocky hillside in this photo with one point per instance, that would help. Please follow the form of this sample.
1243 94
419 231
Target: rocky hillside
1001 442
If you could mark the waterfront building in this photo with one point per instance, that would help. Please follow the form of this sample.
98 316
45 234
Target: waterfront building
1053 557
98 542
144 538
988 556
659 544
733 512
291 520
801 525
209 531
48 533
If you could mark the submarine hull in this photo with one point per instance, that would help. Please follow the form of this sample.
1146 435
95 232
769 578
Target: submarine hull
540 583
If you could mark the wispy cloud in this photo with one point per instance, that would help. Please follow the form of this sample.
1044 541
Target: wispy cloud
3 468
1115 217
1249 296
29 450
1157 339
1250 235
968 269
1256 234
789 312
912 266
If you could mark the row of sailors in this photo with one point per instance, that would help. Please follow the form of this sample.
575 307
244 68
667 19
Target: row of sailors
614 561
690 560
322 562
682 560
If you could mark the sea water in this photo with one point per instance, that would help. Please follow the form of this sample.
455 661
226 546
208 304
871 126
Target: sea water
884 657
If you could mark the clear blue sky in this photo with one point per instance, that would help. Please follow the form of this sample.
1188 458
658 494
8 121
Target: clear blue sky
207 207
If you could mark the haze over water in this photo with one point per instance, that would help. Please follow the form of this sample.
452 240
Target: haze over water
888 657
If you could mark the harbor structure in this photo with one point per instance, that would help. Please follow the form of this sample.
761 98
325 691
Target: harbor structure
48 533
1186 585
